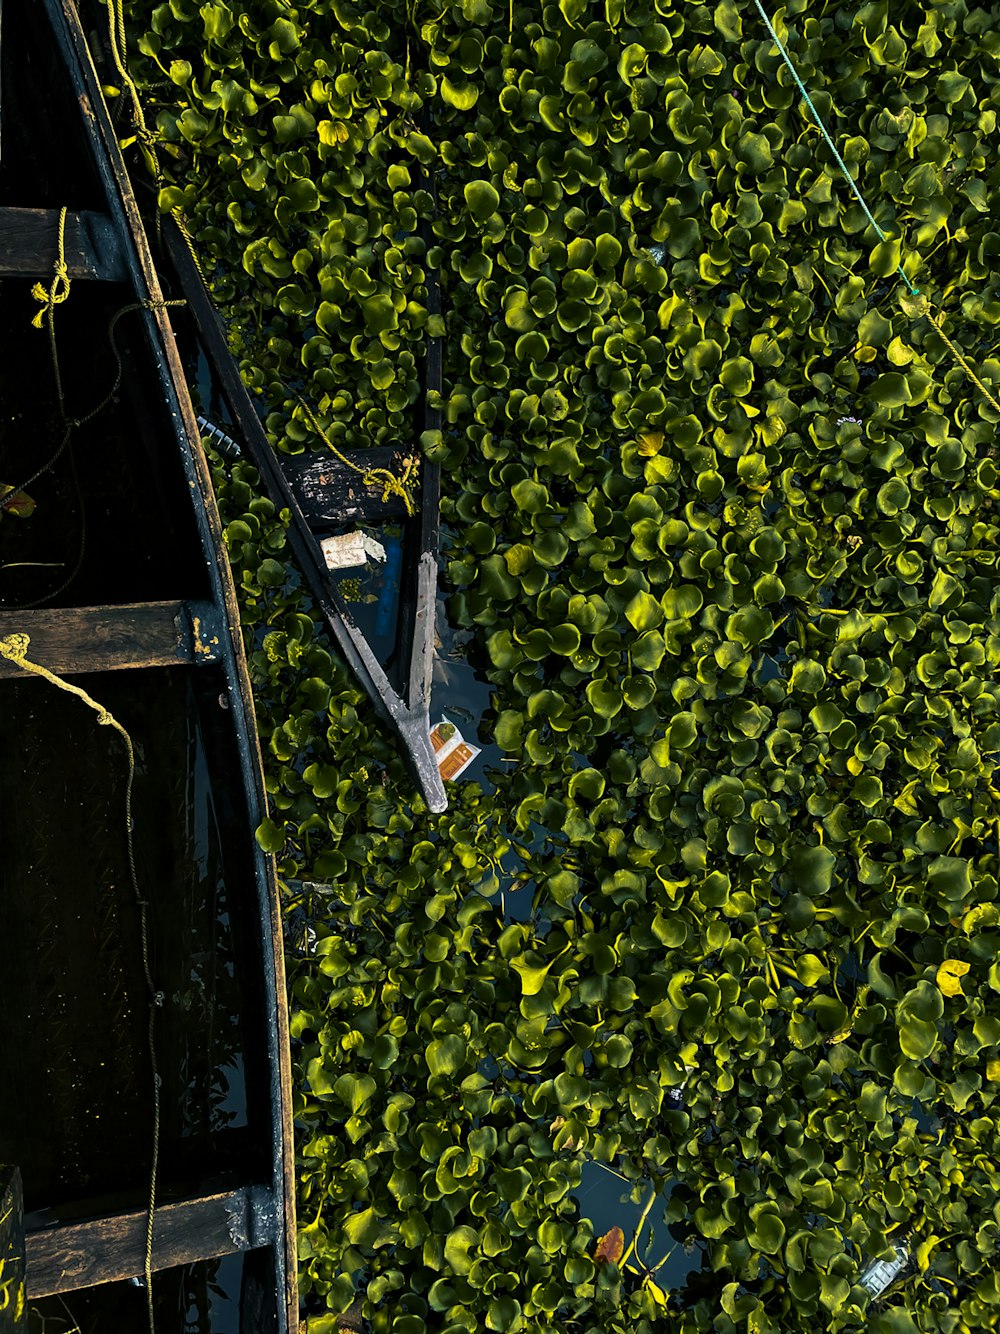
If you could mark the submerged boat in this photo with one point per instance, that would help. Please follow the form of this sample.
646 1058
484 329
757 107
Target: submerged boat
145 1104
368 551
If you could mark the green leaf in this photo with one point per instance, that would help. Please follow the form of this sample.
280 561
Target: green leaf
270 836
826 717
355 1091
512 1183
464 96
811 870
458 1243
648 651
917 1037
644 612
482 200
588 784
750 626
380 314
532 974
737 376
504 1314
808 676
811 970
892 390
884 259
530 497
767 1232
364 1228
605 698
445 1056
754 151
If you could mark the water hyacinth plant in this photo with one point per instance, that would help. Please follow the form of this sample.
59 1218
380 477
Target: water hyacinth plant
722 534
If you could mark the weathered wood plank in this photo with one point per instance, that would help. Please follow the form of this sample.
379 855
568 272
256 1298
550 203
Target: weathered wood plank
29 244
101 639
330 492
13 1306
80 1255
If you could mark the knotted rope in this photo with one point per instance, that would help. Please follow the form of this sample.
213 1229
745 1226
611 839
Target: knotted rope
58 291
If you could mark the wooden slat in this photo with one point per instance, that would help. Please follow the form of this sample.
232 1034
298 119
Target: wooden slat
329 492
13 1306
100 639
80 1255
29 244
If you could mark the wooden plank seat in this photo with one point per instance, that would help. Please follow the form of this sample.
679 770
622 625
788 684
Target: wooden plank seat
101 639
113 1247
29 245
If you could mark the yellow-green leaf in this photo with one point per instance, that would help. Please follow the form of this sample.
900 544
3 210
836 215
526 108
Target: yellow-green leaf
949 976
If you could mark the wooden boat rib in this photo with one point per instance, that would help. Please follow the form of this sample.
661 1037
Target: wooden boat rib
324 495
144 622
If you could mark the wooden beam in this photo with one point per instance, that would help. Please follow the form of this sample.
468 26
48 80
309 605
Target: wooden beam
104 1250
13 1304
329 492
101 639
29 244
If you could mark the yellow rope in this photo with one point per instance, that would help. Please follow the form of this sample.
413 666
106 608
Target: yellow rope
58 292
372 477
957 354
14 648
147 140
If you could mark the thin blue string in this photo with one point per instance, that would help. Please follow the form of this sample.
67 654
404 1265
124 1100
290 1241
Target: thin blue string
914 291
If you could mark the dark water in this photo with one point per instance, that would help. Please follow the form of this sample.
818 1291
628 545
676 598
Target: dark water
115 503
227 1296
114 507
76 1113
606 1200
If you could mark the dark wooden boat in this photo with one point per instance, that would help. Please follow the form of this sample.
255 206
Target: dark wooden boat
392 655
119 579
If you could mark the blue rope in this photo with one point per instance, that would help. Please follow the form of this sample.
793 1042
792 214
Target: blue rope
914 291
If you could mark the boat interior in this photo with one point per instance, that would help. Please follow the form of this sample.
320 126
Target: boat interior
111 577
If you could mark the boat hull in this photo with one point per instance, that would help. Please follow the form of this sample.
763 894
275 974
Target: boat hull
119 578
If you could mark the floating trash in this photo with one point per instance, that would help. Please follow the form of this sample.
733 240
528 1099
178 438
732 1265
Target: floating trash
347 551
880 1274
453 753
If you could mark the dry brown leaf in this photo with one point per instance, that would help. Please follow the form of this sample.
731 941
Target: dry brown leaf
611 1247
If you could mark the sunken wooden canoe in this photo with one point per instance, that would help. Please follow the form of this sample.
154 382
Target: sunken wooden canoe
144 1044
392 656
